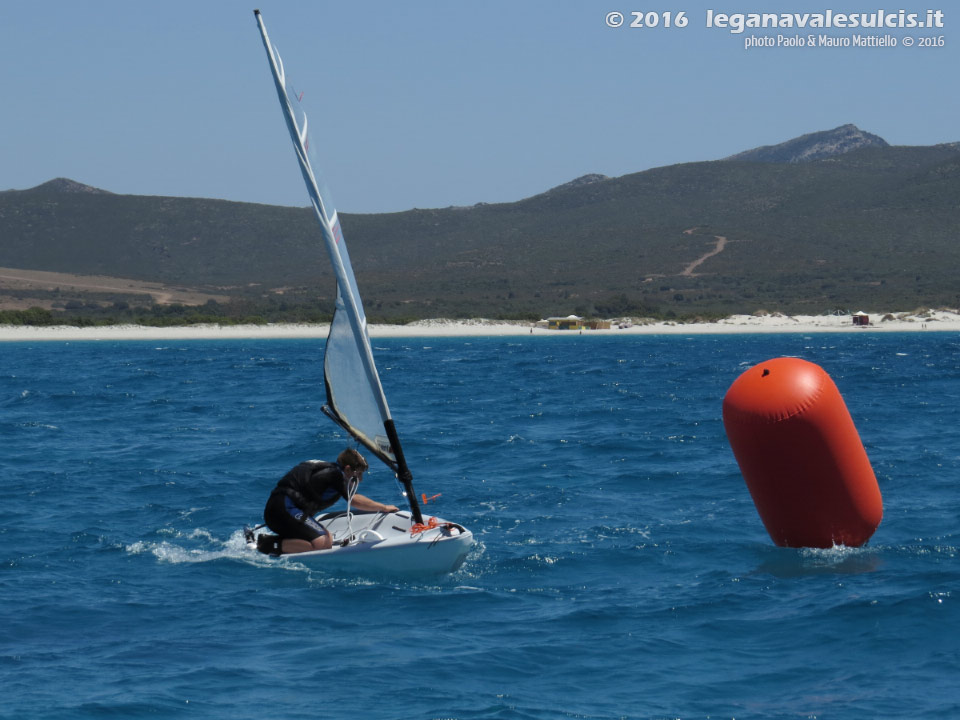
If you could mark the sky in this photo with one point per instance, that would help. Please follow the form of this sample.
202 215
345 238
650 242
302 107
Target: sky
433 103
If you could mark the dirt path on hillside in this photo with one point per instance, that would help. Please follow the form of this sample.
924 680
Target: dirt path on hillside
688 271
26 280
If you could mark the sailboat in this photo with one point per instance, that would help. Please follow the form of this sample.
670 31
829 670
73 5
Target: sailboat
394 542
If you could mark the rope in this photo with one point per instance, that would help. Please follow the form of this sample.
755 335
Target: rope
431 524
352 485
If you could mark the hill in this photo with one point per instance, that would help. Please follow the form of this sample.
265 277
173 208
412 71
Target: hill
814 146
860 225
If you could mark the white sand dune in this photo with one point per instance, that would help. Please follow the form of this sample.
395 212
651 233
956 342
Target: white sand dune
927 320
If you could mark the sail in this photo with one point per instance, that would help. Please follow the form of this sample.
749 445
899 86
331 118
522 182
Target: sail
355 397
351 400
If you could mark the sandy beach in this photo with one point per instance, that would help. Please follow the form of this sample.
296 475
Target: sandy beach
920 321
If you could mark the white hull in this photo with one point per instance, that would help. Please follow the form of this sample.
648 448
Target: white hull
383 543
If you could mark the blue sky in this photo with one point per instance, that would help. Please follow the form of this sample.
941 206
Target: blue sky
431 103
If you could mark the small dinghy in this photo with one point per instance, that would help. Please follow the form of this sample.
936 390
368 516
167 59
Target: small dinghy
382 543
394 542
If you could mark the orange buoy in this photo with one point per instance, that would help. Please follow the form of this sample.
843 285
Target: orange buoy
801 456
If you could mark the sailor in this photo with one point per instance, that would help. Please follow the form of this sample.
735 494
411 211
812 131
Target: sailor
307 489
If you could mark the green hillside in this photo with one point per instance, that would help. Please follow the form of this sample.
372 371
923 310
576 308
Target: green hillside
876 227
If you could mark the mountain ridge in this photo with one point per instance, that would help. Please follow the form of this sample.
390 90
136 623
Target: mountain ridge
871 225
805 148
813 146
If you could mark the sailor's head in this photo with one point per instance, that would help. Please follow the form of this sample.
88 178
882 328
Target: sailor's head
353 463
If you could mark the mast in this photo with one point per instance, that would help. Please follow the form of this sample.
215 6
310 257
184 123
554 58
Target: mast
332 238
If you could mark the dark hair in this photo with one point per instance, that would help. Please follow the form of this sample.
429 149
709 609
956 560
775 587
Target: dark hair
352 458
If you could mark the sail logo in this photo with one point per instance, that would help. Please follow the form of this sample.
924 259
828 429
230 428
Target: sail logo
384 444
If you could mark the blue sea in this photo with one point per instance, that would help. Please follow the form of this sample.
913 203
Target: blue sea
620 571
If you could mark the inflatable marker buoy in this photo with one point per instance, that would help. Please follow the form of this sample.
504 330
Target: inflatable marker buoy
801 456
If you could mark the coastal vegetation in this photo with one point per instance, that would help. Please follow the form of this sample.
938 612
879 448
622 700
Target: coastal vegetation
872 227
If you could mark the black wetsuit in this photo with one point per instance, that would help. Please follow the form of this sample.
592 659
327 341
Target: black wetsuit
303 492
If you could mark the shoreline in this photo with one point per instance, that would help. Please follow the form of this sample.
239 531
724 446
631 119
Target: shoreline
922 321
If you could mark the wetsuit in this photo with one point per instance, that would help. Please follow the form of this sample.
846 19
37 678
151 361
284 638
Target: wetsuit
303 492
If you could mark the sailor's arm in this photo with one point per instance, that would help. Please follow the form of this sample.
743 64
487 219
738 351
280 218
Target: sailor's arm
362 502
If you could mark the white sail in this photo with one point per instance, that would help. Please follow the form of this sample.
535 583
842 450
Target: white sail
354 393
